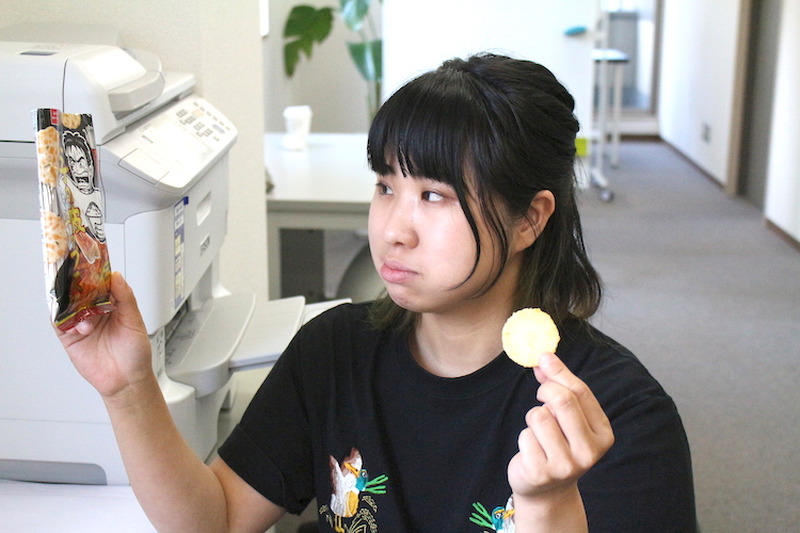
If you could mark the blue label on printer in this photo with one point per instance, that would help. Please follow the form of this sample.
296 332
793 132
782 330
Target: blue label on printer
180 239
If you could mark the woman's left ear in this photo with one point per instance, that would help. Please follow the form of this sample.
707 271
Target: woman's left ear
539 211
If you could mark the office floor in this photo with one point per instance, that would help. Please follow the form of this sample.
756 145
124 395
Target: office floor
709 298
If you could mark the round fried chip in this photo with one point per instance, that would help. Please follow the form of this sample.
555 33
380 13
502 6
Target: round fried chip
528 333
71 120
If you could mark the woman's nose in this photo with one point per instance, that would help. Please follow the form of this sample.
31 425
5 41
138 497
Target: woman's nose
400 223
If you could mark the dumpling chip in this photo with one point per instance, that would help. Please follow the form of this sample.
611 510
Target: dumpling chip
527 334
54 237
47 155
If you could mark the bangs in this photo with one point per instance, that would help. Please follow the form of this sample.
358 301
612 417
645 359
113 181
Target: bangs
427 127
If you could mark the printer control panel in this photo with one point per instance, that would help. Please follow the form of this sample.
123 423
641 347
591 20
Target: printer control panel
179 144
205 122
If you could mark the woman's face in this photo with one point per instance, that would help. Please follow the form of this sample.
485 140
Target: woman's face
423 247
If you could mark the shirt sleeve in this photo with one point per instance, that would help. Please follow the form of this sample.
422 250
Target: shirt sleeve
270 447
644 483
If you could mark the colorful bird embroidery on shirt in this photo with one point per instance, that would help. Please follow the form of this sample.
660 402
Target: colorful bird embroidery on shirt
500 520
348 482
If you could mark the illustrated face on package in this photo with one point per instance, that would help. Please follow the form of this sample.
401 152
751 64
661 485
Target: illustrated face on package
79 160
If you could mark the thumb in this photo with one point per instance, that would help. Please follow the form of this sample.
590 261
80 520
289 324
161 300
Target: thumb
125 302
548 368
120 289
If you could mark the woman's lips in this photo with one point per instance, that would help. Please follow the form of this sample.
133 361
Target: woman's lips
396 273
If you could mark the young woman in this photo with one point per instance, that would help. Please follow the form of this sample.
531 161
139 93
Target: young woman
405 414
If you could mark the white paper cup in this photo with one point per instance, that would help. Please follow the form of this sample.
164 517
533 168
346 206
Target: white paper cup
298 126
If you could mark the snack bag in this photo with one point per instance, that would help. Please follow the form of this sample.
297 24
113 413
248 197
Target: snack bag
77 270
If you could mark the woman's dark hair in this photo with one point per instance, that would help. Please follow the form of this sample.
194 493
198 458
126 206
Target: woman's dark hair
500 130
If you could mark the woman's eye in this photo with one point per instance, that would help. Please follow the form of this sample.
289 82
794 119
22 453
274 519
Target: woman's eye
383 189
432 196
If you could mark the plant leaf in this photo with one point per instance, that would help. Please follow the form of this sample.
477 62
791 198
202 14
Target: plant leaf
353 12
308 22
291 56
308 25
368 58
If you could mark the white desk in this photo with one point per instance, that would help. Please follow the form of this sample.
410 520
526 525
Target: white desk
43 508
326 186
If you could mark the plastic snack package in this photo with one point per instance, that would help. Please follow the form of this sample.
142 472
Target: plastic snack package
77 269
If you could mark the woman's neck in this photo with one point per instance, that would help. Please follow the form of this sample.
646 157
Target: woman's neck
467 336
453 346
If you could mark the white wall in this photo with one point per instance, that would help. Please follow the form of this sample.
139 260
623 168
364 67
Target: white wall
698 68
698 84
220 43
782 205
420 34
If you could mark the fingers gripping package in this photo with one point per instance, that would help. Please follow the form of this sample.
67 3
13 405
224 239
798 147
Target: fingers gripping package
77 269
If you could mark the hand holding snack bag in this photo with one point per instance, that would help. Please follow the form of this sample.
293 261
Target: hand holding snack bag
77 269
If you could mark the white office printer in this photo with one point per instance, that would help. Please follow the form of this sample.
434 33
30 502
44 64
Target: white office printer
163 158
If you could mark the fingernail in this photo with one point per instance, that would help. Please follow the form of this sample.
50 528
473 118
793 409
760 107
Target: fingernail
545 359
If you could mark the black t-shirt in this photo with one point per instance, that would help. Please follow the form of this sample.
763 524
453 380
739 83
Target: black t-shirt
348 416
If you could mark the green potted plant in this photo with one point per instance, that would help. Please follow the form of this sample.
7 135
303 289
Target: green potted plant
308 25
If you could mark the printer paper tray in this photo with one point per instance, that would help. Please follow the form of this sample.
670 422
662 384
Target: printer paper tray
200 349
271 328
228 334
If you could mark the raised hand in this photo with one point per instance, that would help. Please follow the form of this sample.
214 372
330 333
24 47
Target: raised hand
111 351
563 439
